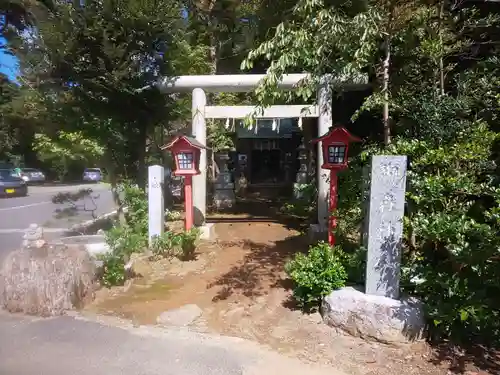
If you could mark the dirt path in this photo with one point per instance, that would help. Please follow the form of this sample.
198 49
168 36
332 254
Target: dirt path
239 283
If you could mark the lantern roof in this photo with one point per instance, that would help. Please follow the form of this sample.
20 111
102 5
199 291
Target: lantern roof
337 133
193 142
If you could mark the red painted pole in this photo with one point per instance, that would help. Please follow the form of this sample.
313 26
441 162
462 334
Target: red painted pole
332 220
188 202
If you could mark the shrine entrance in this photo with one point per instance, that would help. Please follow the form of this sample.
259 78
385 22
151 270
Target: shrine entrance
267 166
245 83
268 155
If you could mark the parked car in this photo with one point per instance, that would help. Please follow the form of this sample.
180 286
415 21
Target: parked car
11 184
32 175
92 175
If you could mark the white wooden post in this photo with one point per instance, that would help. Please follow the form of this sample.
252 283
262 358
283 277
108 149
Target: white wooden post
156 205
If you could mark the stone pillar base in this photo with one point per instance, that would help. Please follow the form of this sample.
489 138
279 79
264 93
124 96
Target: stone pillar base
224 199
207 231
375 318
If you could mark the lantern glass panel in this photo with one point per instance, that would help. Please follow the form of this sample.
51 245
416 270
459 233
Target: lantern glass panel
336 154
185 160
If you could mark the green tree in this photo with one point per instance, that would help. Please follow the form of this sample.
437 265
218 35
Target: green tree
16 16
392 41
8 138
64 148
102 56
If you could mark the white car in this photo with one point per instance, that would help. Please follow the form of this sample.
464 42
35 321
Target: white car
32 175
92 175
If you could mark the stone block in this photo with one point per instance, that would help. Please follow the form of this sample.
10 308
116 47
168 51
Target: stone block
207 231
183 316
373 317
95 244
224 199
224 178
224 186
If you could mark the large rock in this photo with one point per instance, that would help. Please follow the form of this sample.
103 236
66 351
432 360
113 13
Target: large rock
373 317
47 280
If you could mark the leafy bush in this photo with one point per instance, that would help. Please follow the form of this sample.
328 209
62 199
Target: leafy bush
354 263
113 270
167 245
123 241
451 228
126 239
171 215
136 201
316 274
188 243
181 245
132 237
453 232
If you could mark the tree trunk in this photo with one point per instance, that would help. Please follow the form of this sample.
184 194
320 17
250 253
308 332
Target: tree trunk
113 180
441 63
386 65
214 53
385 90
141 158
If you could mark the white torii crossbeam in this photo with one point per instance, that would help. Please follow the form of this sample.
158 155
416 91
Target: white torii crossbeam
225 83
244 83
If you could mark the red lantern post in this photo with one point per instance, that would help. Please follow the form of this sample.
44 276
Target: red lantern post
335 146
186 151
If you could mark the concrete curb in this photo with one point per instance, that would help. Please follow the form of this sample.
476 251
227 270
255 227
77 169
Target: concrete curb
89 223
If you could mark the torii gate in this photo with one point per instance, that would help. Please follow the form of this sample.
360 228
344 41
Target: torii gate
245 83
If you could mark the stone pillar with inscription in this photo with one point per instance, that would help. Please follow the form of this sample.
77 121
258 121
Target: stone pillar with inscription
379 314
385 227
365 191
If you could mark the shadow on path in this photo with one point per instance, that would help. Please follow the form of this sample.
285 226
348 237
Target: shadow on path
255 209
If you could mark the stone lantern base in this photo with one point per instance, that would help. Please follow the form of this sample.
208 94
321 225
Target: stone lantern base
224 196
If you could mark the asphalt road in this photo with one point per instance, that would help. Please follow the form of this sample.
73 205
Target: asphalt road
17 213
65 345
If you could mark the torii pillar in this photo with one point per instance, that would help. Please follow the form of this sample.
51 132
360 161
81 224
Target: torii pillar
199 131
324 123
